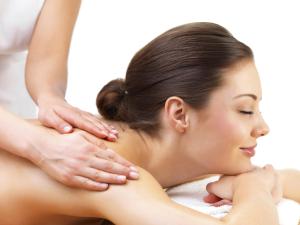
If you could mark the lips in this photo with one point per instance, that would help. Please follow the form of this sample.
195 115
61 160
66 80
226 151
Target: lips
249 151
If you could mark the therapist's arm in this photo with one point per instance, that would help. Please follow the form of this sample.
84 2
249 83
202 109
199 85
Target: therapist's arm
77 159
46 71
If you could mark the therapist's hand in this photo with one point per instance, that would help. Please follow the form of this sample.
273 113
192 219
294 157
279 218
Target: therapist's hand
56 113
80 160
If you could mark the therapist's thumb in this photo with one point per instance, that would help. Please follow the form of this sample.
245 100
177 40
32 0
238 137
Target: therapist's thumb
58 124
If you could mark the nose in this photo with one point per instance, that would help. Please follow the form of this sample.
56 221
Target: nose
261 128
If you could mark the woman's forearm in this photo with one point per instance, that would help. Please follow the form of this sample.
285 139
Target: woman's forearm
291 184
252 205
146 204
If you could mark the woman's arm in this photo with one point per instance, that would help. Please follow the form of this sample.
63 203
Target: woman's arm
144 202
291 184
46 71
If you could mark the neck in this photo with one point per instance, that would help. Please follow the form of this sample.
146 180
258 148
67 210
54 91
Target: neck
160 156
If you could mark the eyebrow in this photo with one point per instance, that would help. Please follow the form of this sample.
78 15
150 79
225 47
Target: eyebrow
246 95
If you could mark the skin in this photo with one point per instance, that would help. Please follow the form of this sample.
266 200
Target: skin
46 80
227 116
164 162
46 71
223 127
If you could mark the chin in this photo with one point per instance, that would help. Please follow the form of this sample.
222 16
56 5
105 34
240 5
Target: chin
233 170
246 167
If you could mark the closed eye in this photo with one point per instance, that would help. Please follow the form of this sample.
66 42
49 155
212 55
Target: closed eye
246 112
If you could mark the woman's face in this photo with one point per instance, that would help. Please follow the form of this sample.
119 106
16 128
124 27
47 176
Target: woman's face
224 134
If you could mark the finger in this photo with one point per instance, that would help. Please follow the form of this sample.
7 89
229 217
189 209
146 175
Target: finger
106 126
222 202
268 167
111 155
108 153
211 198
54 121
94 140
111 136
112 167
102 177
85 183
210 186
114 131
221 188
111 128
78 121
119 159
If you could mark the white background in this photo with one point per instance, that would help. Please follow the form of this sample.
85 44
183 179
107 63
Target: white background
108 33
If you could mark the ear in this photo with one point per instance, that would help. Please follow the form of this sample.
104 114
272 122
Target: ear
176 111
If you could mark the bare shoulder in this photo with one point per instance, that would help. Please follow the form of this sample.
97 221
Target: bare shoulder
133 195
140 201
144 202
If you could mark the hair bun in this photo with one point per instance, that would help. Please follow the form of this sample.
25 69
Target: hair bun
110 100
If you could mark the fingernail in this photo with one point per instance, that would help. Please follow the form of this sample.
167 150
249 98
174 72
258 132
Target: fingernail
132 168
133 175
104 132
67 128
114 131
121 178
102 185
112 136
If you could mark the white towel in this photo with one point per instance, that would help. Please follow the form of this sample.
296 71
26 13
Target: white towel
191 195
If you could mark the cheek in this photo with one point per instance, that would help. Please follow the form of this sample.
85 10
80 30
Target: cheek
230 135
221 136
230 131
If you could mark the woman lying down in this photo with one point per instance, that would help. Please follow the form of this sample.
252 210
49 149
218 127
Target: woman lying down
188 107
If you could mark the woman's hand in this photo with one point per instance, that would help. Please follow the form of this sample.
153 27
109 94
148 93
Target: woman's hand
80 160
56 113
222 191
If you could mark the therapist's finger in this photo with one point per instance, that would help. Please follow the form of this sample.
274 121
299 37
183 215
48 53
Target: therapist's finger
112 167
96 120
102 177
73 116
111 154
86 183
111 134
56 122
108 153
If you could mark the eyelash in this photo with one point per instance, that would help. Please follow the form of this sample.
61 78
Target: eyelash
246 112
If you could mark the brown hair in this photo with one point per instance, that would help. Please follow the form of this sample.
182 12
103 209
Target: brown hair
187 61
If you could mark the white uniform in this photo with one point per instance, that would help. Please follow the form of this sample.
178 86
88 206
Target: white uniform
17 22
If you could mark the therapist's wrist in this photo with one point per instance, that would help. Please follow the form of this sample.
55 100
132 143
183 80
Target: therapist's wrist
32 146
46 98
